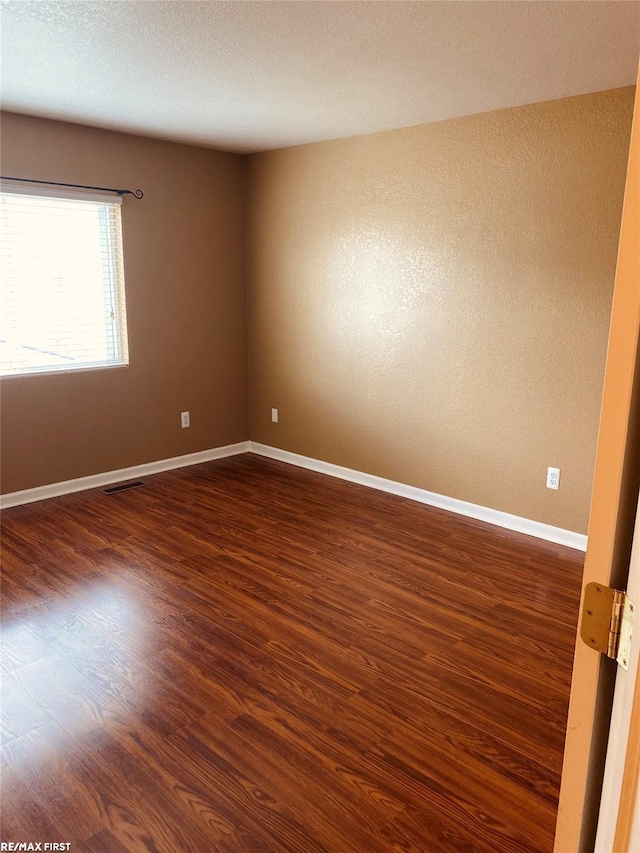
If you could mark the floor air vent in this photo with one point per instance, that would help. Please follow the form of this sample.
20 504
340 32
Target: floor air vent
122 488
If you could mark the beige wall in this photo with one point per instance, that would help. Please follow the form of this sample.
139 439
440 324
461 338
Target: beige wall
184 268
432 304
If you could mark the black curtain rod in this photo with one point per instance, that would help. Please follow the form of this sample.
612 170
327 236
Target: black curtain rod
135 194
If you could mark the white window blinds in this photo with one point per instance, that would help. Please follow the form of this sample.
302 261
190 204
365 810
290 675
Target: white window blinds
62 291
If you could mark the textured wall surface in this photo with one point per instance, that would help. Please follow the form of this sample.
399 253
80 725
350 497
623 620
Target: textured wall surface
184 270
431 305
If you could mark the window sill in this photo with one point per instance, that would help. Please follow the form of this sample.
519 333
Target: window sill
64 371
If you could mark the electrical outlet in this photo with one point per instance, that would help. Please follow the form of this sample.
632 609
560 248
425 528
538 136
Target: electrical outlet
274 416
553 478
185 419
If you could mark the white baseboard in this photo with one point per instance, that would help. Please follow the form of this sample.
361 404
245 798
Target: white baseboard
482 513
96 481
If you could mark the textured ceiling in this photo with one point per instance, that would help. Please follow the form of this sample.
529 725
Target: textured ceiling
249 76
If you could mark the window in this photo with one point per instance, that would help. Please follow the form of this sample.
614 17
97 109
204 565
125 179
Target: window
62 295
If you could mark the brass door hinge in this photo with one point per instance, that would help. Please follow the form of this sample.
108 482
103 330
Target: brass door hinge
607 621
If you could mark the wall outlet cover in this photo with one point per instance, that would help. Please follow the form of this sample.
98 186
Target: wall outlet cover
553 478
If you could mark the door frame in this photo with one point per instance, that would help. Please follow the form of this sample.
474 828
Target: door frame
620 787
613 510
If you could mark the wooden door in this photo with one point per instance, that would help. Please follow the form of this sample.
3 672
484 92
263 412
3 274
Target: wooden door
613 508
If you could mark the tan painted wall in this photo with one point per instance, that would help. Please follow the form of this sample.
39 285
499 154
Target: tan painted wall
432 304
184 269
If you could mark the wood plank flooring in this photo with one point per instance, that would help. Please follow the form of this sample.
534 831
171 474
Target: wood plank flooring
246 656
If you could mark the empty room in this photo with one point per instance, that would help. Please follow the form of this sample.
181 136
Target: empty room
320 426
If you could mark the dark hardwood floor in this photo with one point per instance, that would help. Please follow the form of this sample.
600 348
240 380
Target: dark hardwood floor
246 656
